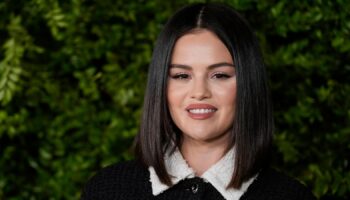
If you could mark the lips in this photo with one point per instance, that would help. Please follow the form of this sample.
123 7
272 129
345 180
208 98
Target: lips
201 111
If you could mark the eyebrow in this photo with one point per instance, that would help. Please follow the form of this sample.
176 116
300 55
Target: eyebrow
212 66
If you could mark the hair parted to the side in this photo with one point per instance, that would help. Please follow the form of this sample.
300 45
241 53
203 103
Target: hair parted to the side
253 124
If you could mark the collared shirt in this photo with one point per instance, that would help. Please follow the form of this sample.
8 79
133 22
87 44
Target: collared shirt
219 175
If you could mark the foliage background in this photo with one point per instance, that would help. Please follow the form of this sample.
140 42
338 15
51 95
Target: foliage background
72 75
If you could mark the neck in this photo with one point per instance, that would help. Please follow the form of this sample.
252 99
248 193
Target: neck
200 156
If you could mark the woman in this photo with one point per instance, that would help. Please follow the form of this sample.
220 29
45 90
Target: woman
207 123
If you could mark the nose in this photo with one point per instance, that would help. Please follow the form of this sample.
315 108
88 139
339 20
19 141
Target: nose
200 89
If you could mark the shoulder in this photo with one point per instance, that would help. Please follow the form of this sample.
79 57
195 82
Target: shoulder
119 181
272 184
122 170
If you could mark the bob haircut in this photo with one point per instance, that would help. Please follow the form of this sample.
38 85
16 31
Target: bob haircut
251 134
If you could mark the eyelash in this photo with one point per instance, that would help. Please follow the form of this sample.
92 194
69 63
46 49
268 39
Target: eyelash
182 76
221 75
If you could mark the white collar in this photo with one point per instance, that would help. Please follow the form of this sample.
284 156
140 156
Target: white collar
219 175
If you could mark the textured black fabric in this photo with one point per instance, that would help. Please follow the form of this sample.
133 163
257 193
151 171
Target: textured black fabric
130 181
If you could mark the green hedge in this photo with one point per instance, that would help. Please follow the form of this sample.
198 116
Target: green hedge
72 77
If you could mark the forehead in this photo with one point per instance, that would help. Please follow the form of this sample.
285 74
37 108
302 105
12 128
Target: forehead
200 46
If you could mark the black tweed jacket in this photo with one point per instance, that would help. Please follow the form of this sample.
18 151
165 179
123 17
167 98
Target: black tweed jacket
130 181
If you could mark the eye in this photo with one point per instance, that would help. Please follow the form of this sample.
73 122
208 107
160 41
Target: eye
180 76
221 75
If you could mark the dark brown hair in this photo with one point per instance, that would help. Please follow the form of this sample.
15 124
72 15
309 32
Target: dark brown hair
253 125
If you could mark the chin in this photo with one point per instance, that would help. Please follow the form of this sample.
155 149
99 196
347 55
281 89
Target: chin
198 137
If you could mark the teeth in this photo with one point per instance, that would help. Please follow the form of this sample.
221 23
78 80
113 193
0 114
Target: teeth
201 111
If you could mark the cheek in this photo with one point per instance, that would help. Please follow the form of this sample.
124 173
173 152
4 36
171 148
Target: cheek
174 107
226 95
176 93
173 98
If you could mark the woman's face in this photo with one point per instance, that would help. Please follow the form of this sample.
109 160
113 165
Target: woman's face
201 90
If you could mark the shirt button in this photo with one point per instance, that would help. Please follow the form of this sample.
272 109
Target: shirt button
194 188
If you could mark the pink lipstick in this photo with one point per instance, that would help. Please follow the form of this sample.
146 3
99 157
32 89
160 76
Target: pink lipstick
201 111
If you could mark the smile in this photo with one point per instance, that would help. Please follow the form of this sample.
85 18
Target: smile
201 111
